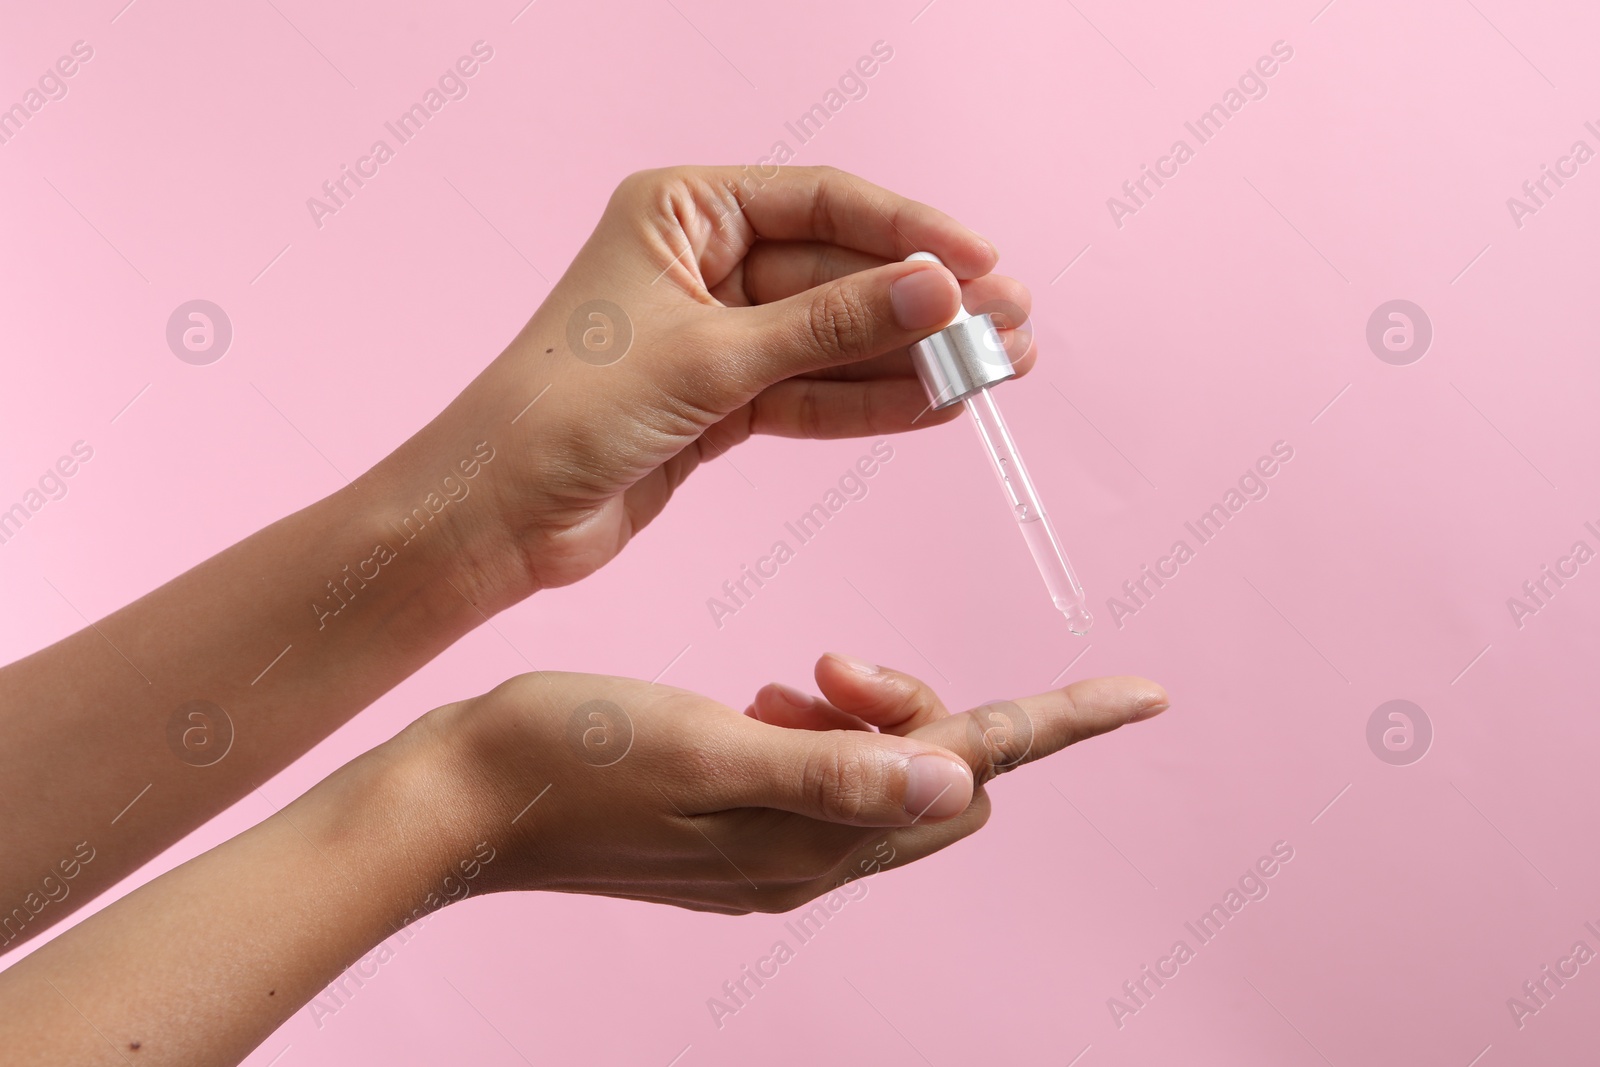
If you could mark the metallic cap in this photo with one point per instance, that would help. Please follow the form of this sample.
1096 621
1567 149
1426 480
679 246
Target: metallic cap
960 359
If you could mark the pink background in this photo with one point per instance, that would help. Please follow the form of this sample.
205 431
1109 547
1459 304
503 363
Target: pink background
1224 316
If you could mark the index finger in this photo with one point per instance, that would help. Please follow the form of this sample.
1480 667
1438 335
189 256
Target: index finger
1001 736
831 205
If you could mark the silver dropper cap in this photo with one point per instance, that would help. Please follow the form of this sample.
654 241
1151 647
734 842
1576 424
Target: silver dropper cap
962 358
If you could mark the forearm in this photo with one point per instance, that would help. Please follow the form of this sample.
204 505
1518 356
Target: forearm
202 964
114 737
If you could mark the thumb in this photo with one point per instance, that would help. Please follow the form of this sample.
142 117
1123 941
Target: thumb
853 777
856 317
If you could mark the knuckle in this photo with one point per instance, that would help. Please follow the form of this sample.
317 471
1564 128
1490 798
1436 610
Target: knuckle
647 190
631 188
809 414
1003 739
980 749
826 266
840 778
830 177
911 700
838 321
1073 717
641 180
822 218
867 409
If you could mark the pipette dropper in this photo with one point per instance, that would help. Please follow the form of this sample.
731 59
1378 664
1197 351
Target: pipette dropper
961 363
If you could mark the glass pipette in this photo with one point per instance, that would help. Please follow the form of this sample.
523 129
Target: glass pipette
961 363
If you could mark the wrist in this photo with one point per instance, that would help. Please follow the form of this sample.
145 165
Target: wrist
432 517
481 771
397 819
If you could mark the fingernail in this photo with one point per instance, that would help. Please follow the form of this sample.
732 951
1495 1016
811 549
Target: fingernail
936 787
793 696
923 300
860 666
1149 711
